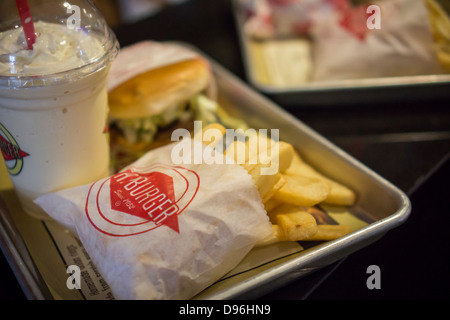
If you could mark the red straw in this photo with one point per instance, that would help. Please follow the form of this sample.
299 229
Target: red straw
27 22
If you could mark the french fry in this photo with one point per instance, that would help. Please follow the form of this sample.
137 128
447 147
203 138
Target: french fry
257 144
237 150
275 237
295 223
271 204
302 191
267 185
263 150
297 226
274 188
280 154
338 193
211 135
327 232
286 154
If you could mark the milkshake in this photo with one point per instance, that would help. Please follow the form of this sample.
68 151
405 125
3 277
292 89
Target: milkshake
54 108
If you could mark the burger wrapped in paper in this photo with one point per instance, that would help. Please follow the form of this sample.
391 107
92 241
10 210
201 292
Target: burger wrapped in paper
158 230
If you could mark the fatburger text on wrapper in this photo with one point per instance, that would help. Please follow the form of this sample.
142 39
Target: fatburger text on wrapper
164 230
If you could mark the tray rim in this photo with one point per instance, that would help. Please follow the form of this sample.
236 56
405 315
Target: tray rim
20 259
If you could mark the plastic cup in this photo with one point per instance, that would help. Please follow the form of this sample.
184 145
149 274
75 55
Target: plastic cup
53 114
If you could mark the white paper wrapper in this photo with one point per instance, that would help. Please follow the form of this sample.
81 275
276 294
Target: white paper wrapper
213 218
345 41
148 55
403 46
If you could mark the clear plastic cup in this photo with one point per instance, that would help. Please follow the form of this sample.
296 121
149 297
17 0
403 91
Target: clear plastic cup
53 99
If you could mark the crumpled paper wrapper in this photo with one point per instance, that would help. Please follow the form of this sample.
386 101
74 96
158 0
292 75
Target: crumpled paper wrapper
403 46
148 55
136 59
213 218
344 44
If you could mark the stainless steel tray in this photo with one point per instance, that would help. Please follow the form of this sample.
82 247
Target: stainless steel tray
343 93
40 251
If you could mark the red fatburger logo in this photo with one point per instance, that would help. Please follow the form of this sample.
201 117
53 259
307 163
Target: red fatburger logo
11 152
139 200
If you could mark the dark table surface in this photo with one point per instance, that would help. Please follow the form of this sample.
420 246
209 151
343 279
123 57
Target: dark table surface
405 138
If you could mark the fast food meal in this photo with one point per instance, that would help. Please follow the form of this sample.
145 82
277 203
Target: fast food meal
161 230
166 226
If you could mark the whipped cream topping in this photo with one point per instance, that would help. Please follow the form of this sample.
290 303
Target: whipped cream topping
57 49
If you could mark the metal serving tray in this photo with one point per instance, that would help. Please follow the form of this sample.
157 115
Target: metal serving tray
40 251
338 93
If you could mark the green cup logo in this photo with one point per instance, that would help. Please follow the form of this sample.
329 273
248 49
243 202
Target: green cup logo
11 152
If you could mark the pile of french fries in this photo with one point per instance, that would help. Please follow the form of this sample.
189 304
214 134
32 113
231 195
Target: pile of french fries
292 192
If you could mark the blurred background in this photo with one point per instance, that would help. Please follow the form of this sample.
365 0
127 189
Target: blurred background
119 12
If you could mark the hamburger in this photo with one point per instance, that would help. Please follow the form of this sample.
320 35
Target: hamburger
154 89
